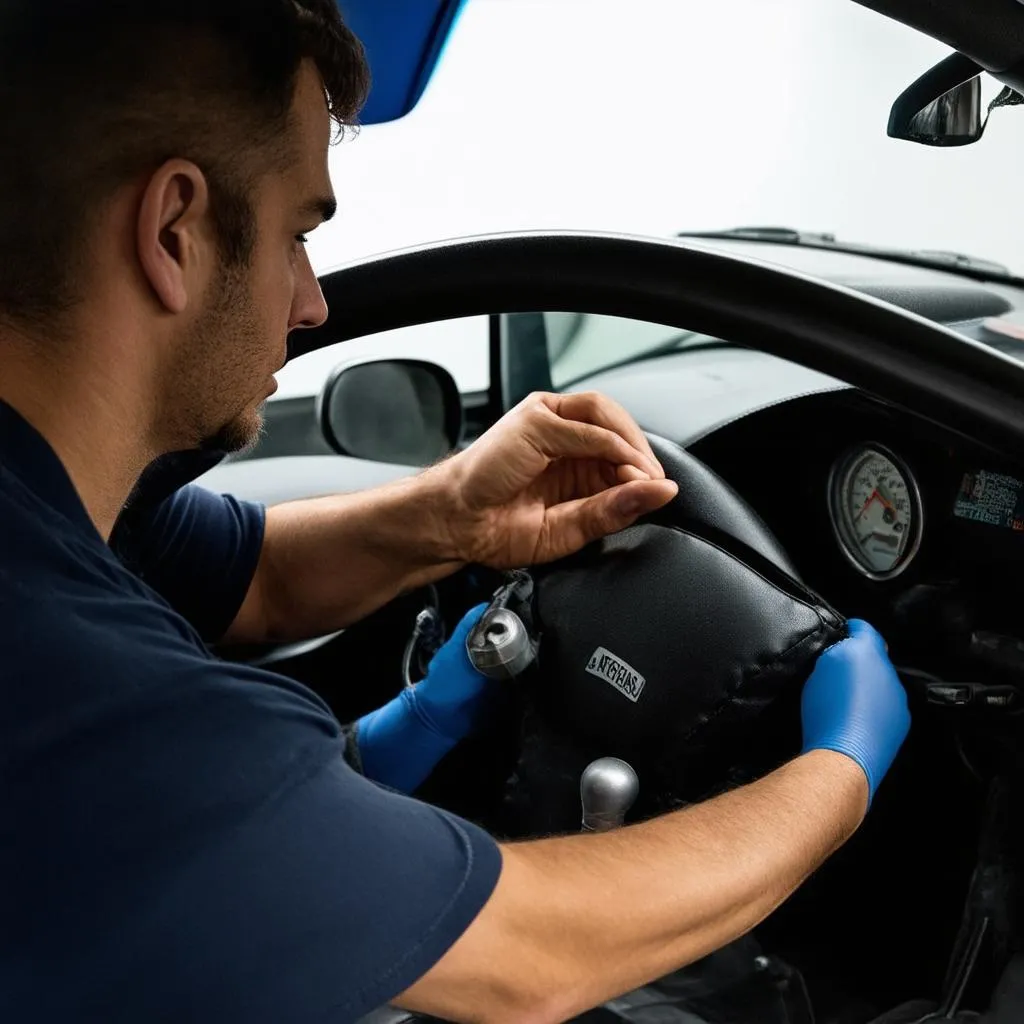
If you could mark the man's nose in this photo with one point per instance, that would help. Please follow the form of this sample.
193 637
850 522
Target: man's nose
309 307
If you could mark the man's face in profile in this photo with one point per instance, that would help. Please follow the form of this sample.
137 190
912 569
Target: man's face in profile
224 367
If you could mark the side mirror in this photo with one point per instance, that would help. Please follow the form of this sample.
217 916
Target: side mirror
401 411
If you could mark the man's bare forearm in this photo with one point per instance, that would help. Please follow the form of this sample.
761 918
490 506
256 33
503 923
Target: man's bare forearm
577 920
533 488
328 562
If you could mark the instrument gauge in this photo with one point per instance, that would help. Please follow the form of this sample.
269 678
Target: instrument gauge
876 513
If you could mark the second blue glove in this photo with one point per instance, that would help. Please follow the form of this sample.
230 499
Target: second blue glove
401 743
855 704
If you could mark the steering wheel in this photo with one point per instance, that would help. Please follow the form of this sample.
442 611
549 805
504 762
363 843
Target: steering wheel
705 568
666 645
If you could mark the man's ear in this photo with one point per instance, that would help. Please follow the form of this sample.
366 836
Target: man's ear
172 232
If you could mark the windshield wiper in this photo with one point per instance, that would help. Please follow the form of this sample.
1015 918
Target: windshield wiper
955 262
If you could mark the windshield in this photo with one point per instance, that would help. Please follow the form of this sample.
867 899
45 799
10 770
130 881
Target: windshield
658 116
580 344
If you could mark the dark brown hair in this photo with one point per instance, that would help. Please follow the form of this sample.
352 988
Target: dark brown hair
95 93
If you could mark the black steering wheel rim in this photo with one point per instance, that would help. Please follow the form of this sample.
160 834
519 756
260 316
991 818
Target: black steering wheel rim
897 356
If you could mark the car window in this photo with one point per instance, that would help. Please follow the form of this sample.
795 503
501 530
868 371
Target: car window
581 344
460 346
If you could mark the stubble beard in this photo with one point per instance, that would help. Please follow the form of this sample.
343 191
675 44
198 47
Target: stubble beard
227 338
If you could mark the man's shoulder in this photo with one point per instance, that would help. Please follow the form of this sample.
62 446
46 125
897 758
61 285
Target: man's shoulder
87 639
197 549
54 577
49 563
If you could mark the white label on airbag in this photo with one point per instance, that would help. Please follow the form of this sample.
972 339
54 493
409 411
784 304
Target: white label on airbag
615 671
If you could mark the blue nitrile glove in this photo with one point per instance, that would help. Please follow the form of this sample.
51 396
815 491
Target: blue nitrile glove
854 703
401 743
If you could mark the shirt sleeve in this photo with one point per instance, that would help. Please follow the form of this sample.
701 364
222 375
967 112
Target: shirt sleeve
198 550
227 863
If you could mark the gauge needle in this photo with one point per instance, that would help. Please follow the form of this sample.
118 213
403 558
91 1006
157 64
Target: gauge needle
875 496
884 496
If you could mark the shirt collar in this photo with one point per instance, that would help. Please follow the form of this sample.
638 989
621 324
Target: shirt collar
27 454
169 472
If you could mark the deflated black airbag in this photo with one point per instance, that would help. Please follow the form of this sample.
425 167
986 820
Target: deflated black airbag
662 635
666 648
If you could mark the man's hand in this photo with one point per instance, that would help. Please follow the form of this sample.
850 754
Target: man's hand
854 703
554 474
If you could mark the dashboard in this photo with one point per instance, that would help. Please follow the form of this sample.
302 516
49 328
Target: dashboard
893 519
887 496
878 515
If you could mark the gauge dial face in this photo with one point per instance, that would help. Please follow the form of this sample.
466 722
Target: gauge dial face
876 511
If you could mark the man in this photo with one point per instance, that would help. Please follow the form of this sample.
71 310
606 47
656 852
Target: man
182 838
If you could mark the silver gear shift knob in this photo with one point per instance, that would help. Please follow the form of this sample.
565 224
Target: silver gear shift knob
608 788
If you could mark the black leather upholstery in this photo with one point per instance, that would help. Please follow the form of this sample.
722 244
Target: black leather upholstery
711 638
666 644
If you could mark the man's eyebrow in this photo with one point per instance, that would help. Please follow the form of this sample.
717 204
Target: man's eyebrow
325 206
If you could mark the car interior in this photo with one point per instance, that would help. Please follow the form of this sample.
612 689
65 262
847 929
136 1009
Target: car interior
848 433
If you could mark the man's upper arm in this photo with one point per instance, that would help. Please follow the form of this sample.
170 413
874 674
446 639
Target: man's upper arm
200 552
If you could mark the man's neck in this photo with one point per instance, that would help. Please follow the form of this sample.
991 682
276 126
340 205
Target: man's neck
95 425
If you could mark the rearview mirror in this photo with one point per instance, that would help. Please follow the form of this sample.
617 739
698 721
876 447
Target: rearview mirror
954 119
943 107
401 411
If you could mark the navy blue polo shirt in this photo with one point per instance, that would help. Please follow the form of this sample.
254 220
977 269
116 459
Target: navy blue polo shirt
180 837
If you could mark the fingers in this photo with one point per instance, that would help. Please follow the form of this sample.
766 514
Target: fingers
574 524
593 475
601 411
467 623
625 474
858 629
557 437
640 498
600 475
861 629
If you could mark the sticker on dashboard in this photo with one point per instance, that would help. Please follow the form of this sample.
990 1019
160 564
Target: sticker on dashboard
992 498
617 673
